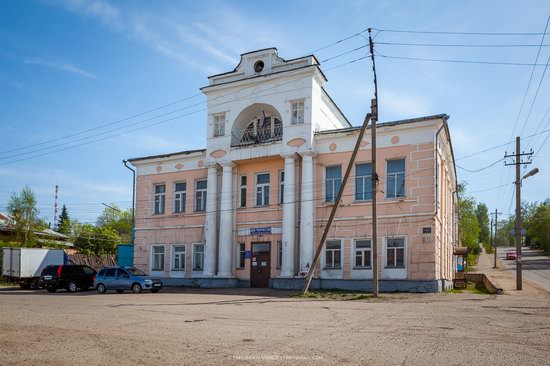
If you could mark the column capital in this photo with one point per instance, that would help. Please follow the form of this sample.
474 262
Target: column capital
211 164
227 164
289 156
308 153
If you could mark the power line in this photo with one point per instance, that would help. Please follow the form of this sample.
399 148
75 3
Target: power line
461 33
460 45
458 61
480 169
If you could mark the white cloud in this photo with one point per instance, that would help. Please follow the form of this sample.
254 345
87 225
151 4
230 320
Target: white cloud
60 66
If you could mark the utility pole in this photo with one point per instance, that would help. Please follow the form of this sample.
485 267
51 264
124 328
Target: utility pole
374 119
496 213
517 232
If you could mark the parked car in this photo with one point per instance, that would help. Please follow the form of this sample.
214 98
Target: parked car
68 276
511 254
125 278
24 265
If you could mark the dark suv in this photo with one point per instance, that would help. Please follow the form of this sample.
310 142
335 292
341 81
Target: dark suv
68 276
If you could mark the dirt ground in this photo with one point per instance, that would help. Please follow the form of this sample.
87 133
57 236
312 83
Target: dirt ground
250 327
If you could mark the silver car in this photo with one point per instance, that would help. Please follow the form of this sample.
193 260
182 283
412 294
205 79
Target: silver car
125 278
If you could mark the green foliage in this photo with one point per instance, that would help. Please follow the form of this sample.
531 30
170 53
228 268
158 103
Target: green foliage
117 220
64 222
22 207
482 214
468 224
537 224
90 239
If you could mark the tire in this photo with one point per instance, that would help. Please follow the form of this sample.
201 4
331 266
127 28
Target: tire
155 291
136 288
71 286
24 285
119 291
101 288
52 289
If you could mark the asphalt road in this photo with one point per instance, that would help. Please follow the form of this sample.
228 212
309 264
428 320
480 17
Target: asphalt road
536 267
267 327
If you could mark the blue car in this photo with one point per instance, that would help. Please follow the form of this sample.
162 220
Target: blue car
125 278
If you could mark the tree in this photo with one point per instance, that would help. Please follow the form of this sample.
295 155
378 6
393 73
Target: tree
64 223
482 214
117 220
96 240
468 225
23 209
537 225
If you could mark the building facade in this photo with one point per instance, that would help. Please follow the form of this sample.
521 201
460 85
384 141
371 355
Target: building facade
250 208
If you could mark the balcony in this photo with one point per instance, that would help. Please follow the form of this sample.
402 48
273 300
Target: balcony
254 134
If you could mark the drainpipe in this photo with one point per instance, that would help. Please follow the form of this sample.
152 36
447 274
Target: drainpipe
133 199
437 169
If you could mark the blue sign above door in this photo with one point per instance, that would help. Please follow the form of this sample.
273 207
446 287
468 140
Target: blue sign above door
260 230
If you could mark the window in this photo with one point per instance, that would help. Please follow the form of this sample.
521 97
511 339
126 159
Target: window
178 258
200 195
110 272
395 186
160 198
158 258
242 253
362 253
281 187
297 112
333 179
243 191
179 197
122 273
198 257
88 270
333 255
363 182
219 124
262 189
395 252
279 254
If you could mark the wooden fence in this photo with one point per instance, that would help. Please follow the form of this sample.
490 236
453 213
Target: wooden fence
96 262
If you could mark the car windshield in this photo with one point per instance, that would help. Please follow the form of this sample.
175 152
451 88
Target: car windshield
135 272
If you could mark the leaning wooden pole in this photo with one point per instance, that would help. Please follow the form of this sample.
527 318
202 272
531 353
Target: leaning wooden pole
311 270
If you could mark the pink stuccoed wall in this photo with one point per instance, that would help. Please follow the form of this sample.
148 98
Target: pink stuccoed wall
428 256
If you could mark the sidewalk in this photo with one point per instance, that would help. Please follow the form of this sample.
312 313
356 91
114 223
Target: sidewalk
504 279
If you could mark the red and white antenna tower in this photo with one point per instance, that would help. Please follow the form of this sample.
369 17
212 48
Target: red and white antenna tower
55 208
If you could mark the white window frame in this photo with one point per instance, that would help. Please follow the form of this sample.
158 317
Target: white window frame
241 188
365 179
261 187
180 198
363 250
154 255
387 248
395 178
335 192
333 267
218 124
281 187
194 255
297 111
203 192
181 255
161 199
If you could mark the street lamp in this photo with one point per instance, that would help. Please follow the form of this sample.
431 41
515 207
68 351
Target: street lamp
517 232
531 173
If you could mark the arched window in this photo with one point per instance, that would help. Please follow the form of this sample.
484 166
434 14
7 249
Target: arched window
271 129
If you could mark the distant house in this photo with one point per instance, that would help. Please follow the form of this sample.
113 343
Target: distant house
46 236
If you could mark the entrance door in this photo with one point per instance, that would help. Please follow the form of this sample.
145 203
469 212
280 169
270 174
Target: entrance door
260 268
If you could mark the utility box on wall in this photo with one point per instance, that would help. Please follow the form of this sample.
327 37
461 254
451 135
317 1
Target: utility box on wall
125 255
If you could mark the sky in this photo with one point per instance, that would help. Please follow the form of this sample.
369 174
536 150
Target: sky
84 84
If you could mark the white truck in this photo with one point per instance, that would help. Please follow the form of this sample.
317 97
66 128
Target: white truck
24 265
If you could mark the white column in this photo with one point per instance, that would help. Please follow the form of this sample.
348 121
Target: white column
225 267
307 214
210 224
289 217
